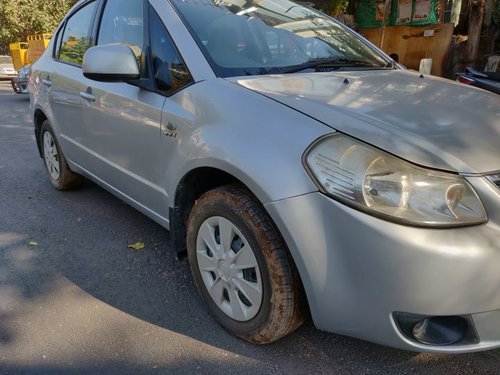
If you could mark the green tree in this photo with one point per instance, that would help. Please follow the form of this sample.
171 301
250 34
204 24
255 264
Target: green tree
20 18
337 7
73 49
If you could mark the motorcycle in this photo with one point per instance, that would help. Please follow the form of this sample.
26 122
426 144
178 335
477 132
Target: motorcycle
20 83
489 81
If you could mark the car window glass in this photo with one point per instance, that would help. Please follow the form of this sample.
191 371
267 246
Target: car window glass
273 36
123 22
170 71
75 40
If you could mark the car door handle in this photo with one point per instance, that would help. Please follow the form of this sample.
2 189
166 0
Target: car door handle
47 83
87 96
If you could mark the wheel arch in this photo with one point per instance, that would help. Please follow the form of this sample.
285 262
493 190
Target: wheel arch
38 118
191 186
194 184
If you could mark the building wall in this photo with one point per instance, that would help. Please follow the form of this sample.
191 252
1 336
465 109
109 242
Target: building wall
411 45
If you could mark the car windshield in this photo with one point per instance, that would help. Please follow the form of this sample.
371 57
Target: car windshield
5 60
242 37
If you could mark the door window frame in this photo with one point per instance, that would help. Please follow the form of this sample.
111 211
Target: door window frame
62 28
151 11
146 81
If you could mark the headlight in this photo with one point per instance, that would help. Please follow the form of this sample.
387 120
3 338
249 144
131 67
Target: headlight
371 180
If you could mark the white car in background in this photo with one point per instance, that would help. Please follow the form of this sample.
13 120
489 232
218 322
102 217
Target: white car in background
7 70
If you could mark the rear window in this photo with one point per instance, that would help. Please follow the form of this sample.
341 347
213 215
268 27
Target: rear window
75 39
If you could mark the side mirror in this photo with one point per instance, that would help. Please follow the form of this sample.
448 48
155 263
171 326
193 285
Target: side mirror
111 63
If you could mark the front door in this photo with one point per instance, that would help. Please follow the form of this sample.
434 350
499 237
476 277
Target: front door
122 120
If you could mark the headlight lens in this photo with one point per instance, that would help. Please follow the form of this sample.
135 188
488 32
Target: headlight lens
377 182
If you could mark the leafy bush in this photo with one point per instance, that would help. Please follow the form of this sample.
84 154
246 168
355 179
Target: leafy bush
20 18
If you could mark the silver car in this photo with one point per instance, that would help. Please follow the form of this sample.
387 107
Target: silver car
302 170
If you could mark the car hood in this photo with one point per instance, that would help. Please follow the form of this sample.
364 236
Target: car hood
429 121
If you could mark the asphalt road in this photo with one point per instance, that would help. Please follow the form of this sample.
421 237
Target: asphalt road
75 299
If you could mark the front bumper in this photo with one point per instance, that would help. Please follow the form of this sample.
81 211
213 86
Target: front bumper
358 271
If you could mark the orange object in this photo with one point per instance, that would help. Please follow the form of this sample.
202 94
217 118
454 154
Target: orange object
37 45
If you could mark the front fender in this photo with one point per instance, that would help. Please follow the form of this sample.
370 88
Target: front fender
254 139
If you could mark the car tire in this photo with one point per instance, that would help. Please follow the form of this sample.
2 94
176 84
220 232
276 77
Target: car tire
242 267
17 89
60 175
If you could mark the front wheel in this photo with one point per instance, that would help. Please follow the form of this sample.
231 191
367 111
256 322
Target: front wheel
242 267
60 175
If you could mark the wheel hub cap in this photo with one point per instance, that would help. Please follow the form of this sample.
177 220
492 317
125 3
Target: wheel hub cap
51 155
229 269
224 270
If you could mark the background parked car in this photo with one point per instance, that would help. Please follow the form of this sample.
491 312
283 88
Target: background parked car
7 70
484 80
20 83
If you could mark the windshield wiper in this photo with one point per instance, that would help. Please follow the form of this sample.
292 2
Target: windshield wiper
327 64
263 71
323 64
